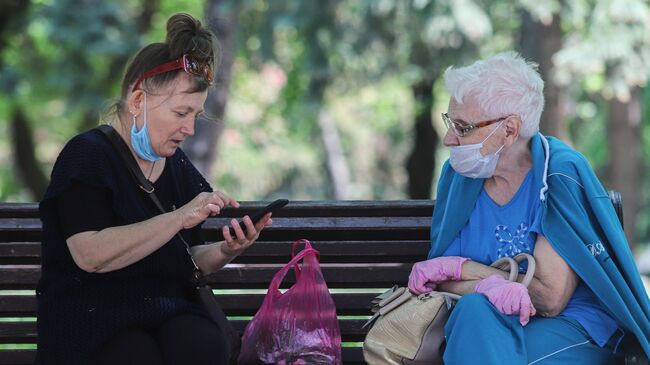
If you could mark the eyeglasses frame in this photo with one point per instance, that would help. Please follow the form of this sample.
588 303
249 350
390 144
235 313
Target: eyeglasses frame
185 62
463 130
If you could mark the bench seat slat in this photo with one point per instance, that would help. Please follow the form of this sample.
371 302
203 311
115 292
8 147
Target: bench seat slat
25 332
336 276
17 305
13 357
232 277
351 356
233 304
18 332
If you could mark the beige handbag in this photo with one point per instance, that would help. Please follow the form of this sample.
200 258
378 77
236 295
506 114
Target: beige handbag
409 329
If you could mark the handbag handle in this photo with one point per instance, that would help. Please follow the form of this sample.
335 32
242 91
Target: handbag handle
513 264
507 264
530 272
279 276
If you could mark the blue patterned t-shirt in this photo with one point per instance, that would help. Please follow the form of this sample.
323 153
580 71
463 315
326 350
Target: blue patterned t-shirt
495 231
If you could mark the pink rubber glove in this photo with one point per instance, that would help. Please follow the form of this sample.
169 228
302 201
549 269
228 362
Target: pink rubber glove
507 296
426 274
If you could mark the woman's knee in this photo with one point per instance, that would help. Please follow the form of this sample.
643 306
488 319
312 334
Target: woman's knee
120 349
193 339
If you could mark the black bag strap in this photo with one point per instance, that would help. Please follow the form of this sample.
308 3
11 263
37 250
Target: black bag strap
144 184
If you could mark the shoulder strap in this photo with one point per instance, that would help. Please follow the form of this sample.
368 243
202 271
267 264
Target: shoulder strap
127 157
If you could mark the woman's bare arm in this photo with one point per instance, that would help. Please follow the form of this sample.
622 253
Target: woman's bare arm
114 248
550 290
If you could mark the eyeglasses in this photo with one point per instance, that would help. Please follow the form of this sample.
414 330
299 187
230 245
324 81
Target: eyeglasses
186 62
462 130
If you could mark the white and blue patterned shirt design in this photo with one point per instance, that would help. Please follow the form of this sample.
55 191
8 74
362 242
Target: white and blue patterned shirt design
512 244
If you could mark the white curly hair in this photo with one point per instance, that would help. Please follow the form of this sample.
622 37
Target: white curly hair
504 84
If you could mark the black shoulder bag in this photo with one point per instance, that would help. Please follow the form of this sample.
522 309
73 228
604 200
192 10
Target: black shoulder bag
203 291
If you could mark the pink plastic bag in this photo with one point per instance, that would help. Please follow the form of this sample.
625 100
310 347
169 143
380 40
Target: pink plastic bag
299 326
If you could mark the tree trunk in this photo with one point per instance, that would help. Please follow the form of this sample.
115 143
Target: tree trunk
22 145
320 73
421 163
539 42
335 160
202 147
625 151
12 19
337 164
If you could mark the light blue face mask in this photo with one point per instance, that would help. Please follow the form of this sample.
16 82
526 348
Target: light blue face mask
140 139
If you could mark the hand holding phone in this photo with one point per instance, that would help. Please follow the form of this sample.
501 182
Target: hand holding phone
255 217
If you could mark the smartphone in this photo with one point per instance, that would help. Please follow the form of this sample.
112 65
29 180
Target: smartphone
255 217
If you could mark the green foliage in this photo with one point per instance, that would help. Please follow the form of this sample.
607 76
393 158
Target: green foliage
621 25
588 132
62 61
62 69
357 50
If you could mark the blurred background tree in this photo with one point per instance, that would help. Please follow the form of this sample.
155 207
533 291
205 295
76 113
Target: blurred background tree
332 99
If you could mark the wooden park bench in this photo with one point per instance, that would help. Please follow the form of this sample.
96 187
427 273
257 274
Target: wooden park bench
366 247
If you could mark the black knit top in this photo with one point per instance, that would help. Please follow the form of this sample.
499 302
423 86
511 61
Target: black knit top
77 310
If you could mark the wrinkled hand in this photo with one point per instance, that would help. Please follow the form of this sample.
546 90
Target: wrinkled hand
426 274
202 206
233 246
507 296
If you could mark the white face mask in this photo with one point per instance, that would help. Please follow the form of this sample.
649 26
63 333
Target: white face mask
468 161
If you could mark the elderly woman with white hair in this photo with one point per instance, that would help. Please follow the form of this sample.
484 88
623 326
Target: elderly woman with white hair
505 190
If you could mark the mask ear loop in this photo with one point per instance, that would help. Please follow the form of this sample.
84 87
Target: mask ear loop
145 109
491 133
144 124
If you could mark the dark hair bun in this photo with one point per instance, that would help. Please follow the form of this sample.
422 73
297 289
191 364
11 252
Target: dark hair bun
186 34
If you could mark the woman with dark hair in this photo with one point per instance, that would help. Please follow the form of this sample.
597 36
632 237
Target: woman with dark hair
116 283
